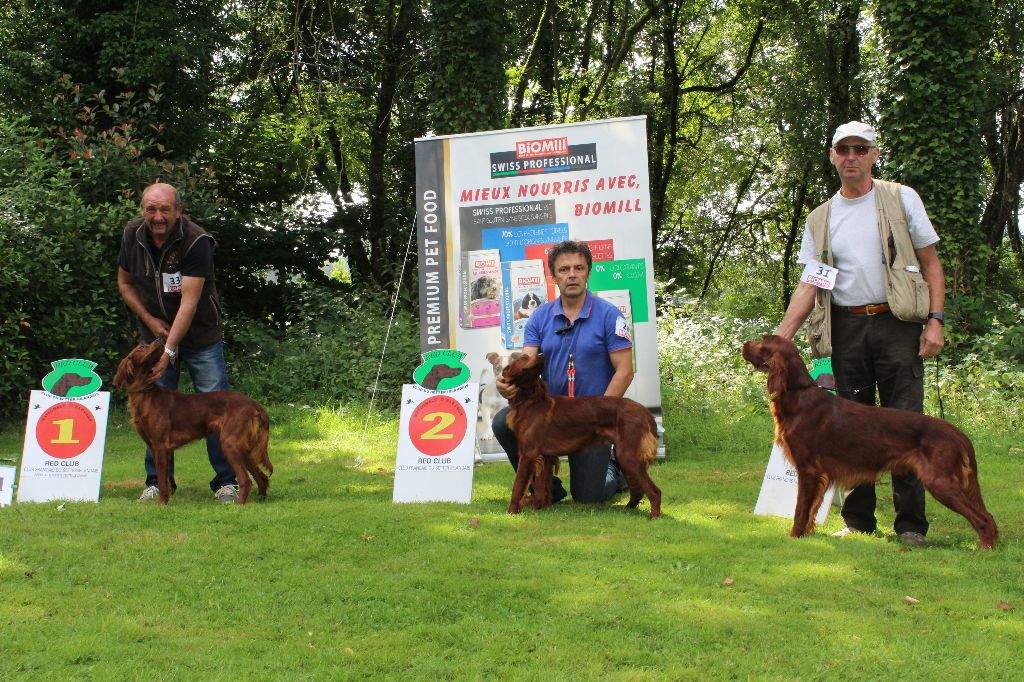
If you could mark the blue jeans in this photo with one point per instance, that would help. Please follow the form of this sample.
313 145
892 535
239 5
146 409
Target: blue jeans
209 373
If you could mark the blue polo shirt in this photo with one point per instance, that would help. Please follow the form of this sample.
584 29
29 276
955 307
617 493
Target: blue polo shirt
599 329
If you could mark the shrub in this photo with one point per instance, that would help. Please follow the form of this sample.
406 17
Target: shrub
330 354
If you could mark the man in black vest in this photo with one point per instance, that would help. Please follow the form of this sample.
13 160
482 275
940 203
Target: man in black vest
165 275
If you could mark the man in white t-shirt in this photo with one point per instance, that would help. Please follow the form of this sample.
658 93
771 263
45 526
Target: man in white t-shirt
872 349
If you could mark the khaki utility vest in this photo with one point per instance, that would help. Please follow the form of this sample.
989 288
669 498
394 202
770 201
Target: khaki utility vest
907 290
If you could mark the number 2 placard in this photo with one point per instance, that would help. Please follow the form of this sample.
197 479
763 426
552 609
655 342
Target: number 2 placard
435 448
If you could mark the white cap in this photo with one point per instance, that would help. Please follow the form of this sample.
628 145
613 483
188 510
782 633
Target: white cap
855 129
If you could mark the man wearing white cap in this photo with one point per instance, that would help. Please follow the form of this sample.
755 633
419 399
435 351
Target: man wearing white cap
888 282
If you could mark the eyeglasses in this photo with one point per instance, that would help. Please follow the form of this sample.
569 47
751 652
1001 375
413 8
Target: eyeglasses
858 149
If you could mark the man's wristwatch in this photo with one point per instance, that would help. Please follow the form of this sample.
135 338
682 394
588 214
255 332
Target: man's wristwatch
931 316
173 354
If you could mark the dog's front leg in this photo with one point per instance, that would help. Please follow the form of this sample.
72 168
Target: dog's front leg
161 458
810 488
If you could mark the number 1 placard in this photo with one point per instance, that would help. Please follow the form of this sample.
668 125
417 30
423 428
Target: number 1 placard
435 445
63 454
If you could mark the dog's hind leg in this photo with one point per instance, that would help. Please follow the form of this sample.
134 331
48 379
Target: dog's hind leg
238 459
634 469
258 456
968 504
524 470
542 477
235 458
262 481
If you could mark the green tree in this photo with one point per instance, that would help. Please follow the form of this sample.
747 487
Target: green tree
930 116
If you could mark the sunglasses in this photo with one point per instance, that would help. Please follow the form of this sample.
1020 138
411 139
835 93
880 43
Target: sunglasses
858 149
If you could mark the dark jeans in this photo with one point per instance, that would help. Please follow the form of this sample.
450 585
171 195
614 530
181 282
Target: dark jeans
588 470
880 353
209 372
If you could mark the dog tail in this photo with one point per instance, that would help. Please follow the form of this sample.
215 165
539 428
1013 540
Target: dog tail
262 425
968 463
648 449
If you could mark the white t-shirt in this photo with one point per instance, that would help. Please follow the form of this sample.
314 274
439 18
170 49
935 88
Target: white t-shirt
857 250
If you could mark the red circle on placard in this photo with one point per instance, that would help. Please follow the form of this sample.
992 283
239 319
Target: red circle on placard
437 425
65 430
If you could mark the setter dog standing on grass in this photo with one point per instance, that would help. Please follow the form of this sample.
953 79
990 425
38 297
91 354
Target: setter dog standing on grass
827 438
168 419
548 426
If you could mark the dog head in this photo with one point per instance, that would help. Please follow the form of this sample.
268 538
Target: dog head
485 288
530 302
439 373
524 373
498 362
781 360
134 370
67 382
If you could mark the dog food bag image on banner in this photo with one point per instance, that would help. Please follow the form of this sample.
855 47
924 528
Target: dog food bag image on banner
481 289
437 432
523 291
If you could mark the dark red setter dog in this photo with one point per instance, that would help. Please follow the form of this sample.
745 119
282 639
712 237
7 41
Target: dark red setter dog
827 438
168 419
547 427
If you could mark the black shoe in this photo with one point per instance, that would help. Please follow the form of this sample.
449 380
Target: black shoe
614 478
558 492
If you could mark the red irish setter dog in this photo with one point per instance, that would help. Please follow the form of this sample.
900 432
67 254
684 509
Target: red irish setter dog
548 426
827 438
168 419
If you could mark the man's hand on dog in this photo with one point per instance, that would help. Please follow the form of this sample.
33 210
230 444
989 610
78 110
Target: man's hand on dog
160 367
505 389
159 328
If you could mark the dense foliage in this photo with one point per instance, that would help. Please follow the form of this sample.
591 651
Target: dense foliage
289 126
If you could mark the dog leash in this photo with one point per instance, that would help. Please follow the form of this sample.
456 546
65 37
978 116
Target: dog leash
845 392
848 393
571 370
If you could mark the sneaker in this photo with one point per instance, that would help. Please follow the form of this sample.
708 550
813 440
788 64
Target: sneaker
844 532
912 539
149 494
227 494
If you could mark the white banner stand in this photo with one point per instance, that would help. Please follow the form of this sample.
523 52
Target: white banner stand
436 440
63 454
6 484
779 489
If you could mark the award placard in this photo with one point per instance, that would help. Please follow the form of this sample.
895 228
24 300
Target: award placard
65 434
6 484
436 436
779 490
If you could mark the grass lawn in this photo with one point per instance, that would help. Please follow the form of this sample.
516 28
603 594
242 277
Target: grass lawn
330 580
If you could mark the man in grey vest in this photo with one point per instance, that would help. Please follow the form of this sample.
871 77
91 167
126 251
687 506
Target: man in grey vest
858 232
165 275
